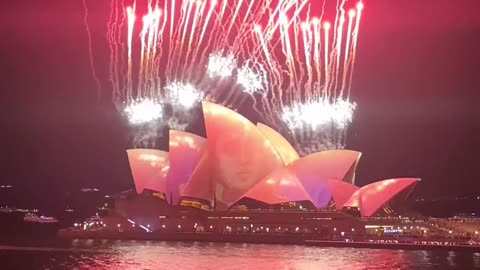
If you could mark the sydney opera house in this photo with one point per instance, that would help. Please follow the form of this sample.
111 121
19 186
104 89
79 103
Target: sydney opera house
252 170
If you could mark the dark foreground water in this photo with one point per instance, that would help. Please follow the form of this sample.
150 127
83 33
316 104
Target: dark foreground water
98 254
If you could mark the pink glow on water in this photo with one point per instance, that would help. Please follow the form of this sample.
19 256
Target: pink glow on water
130 255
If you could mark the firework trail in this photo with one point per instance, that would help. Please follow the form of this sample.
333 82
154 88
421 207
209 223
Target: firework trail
293 63
90 53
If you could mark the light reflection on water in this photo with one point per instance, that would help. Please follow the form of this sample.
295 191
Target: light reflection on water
101 254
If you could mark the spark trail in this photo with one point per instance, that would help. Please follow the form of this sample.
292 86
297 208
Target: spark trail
90 53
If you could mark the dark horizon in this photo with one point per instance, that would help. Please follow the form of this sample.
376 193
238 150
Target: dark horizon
415 85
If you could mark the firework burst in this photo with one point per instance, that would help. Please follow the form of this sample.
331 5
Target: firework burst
142 111
184 95
221 66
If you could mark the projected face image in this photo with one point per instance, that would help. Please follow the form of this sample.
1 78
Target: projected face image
237 165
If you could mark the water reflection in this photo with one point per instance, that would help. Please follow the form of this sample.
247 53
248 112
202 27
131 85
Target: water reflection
103 254
476 260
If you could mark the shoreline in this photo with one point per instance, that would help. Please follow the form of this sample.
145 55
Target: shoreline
287 239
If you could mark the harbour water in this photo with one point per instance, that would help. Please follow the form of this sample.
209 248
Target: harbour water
103 254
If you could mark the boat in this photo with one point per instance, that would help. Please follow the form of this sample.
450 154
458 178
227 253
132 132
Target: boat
47 220
30 217
33 218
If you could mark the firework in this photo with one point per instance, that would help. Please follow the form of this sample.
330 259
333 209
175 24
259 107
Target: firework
177 124
301 62
142 111
318 125
250 80
312 115
177 40
221 66
184 95
309 77
342 113
317 114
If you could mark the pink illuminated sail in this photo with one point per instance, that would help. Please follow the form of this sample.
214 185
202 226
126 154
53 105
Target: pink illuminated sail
279 187
372 197
284 148
315 169
238 153
185 150
341 192
200 185
149 168
331 164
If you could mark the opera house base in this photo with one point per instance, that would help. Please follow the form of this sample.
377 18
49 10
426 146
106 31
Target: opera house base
149 218
292 239
155 221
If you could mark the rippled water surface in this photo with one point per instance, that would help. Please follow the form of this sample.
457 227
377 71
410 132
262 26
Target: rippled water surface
89 254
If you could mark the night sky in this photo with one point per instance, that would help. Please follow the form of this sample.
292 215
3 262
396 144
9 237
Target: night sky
416 84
